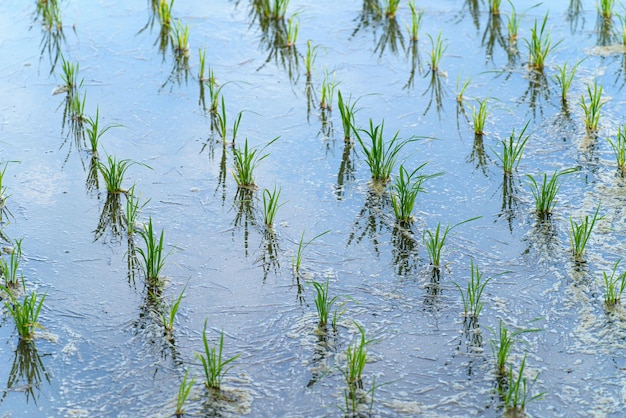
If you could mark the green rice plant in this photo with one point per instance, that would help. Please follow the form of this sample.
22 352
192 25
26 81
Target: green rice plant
347 112
3 188
50 14
245 161
327 92
501 347
516 394
564 79
380 158
406 188
236 126
435 240
77 107
461 89
274 9
183 393
180 39
113 173
310 57
619 148
10 269
622 19
545 194
580 232
605 8
512 24
614 286
94 132
69 76
479 116
592 109
296 260
472 303
512 150
270 206
539 46
26 313
222 121
214 91
436 52
165 12
293 24
202 64
416 22
131 213
494 6
169 310
356 357
323 303
213 363
391 8
152 256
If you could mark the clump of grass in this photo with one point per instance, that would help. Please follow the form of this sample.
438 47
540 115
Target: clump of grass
614 285
293 25
180 39
69 75
10 270
512 24
580 232
406 188
202 64
564 79
545 193
391 8
619 148
416 22
94 133
310 57
494 6
213 362
77 108
327 92
436 52
516 395
274 9
512 150
152 256
245 161
270 206
472 303
380 158
165 12
169 310
323 303
501 348
539 46
605 8
356 358
435 240
131 212
479 116
25 313
592 109
347 112
183 393
113 173
622 19
461 89
296 260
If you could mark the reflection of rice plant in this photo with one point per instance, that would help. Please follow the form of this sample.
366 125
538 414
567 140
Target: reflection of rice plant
614 286
391 8
564 79
494 6
380 158
580 232
416 22
113 173
180 39
406 188
152 256
516 394
25 313
293 24
10 270
539 46
592 110
245 161
512 150
605 8
479 116
165 12
270 206
296 260
436 52
619 148
213 363
327 92
347 111
472 304
183 393
545 194
274 9
323 303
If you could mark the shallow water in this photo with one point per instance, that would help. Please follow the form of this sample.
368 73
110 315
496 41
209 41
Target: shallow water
103 352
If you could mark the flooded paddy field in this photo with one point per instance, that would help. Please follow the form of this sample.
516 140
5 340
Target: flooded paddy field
179 89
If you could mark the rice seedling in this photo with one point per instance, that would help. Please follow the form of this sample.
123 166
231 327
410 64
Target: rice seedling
619 148
3 193
113 173
622 19
461 89
580 232
310 57
347 112
202 64
169 310
165 12
592 109
77 108
356 357
296 260
327 92
391 8
50 15
183 393
274 9
512 150
69 76
435 240
222 121
406 188
380 158
26 313
245 161
501 347
564 79
270 206
94 132
213 363
10 269
512 24
293 25
323 303
545 194
539 46
131 213
472 303
180 39
614 286
605 8
436 52
517 392
416 22
479 116
494 6
152 256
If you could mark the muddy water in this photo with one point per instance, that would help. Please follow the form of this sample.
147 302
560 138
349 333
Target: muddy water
102 351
